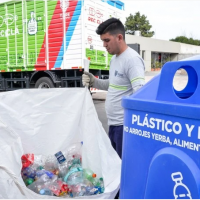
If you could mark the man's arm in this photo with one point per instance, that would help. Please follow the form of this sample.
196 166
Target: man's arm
136 72
101 84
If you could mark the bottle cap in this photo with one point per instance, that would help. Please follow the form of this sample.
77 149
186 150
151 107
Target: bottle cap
94 175
29 181
40 168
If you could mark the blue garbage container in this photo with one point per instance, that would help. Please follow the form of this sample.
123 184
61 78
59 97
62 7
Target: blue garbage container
161 142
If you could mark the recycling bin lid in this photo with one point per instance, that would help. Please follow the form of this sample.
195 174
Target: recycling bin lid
160 96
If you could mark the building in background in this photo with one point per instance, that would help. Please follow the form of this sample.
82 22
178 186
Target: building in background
157 52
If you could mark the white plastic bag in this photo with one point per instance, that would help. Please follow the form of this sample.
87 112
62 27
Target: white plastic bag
45 122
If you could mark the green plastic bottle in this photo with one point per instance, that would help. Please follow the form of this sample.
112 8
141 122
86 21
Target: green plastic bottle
90 176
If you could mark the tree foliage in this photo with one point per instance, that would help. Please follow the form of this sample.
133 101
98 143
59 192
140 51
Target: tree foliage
183 39
138 22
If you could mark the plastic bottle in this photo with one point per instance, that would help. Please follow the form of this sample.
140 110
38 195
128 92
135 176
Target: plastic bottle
75 162
27 160
54 187
39 161
42 172
92 190
78 190
46 191
74 154
84 188
33 160
39 184
50 163
28 172
62 164
90 175
102 185
68 159
74 176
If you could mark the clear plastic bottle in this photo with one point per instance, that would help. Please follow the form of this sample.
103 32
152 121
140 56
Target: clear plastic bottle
68 159
78 190
54 187
62 164
51 163
74 155
62 169
39 184
39 162
92 190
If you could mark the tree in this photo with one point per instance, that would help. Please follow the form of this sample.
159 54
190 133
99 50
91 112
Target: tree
183 39
138 23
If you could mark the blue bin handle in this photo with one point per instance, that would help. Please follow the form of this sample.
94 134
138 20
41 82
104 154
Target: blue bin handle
191 93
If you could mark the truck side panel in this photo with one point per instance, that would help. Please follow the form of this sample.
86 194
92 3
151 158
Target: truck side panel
30 41
96 13
73 37
34 30
11 37
3 39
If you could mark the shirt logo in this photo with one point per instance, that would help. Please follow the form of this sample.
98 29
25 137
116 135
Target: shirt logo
118 74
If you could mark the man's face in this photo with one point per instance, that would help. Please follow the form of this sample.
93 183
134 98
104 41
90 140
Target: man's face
111 43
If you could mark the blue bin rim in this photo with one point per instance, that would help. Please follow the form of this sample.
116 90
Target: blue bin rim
191 111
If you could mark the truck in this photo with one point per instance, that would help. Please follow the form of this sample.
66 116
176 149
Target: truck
43 42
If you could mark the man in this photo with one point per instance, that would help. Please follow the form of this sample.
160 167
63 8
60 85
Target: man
126 75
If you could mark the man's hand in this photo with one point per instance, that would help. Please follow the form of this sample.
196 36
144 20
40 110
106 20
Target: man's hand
88 79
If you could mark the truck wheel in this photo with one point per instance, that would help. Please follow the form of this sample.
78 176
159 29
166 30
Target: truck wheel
44 83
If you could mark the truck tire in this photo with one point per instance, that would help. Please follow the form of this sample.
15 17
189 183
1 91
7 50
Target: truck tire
44 83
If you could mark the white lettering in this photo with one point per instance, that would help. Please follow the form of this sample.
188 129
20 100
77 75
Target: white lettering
166 126
145 122
8 32
158 123
189 129
134 119
152 123
177 124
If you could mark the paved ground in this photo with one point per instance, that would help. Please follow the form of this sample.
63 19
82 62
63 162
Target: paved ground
180 81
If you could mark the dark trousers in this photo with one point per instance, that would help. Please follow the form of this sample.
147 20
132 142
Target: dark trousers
116 138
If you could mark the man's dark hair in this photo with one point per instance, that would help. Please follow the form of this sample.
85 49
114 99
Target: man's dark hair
113 26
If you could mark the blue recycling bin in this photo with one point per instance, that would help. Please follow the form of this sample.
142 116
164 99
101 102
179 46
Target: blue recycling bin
161 142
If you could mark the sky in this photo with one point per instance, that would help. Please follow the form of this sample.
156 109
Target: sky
169 18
